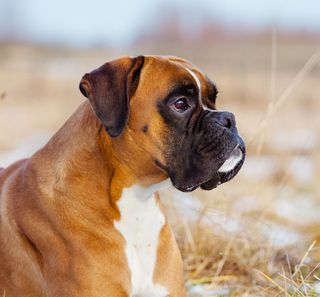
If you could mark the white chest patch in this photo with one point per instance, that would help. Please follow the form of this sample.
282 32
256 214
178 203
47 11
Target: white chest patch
140 224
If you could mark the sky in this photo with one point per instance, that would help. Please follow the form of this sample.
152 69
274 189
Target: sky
118 22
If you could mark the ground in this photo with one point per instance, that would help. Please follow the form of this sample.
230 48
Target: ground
254 236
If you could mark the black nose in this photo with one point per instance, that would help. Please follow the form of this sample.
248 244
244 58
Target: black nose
225 119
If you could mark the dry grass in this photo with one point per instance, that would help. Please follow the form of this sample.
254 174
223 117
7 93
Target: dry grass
247 266
254 236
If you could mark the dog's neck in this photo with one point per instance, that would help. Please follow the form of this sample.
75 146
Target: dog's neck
82 155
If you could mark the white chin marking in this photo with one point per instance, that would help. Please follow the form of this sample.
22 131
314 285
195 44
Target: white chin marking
232 161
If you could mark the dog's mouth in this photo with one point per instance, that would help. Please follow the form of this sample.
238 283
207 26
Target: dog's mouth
225 172
228 170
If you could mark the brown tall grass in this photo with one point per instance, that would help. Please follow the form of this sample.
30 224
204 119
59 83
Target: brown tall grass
229 242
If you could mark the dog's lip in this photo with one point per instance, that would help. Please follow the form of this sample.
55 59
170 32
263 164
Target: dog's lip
186 188
226 176
222 177
232 161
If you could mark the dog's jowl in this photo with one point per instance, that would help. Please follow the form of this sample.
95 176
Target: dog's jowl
82 216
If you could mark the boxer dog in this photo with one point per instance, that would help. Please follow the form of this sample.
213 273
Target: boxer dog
80 218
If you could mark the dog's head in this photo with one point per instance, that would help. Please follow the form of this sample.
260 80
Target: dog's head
165 108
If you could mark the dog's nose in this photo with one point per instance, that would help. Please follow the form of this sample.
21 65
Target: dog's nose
225 119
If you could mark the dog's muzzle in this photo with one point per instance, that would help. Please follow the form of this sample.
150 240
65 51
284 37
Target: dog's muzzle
233 152
211 155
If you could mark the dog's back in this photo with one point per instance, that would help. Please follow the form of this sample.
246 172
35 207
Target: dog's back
5 172
10 241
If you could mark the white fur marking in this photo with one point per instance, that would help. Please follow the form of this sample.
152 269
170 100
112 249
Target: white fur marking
140 224
232 161
197 82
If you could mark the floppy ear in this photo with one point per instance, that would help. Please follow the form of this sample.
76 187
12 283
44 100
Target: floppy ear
109 89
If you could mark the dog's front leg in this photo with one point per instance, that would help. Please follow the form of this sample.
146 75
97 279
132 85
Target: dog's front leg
75 289
99 274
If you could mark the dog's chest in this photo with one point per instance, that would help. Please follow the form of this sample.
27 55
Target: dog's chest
140 224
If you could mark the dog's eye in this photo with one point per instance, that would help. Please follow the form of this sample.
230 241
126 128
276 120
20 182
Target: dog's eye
181 105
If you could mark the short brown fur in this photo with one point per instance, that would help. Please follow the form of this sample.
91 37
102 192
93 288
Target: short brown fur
57 237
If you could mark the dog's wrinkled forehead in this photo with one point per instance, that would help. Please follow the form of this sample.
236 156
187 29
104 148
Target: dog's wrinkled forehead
207 90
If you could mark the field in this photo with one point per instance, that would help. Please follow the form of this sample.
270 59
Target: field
254 236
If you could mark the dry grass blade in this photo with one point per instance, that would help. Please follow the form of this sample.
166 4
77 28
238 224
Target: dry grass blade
308 66
272 97
294 285
304 279
285 278
224 258
273 282
223 278
2 95
201 267
189 235
297 269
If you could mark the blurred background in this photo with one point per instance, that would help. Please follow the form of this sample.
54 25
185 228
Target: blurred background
254 236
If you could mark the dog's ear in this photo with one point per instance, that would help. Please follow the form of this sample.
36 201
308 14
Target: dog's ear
109 89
